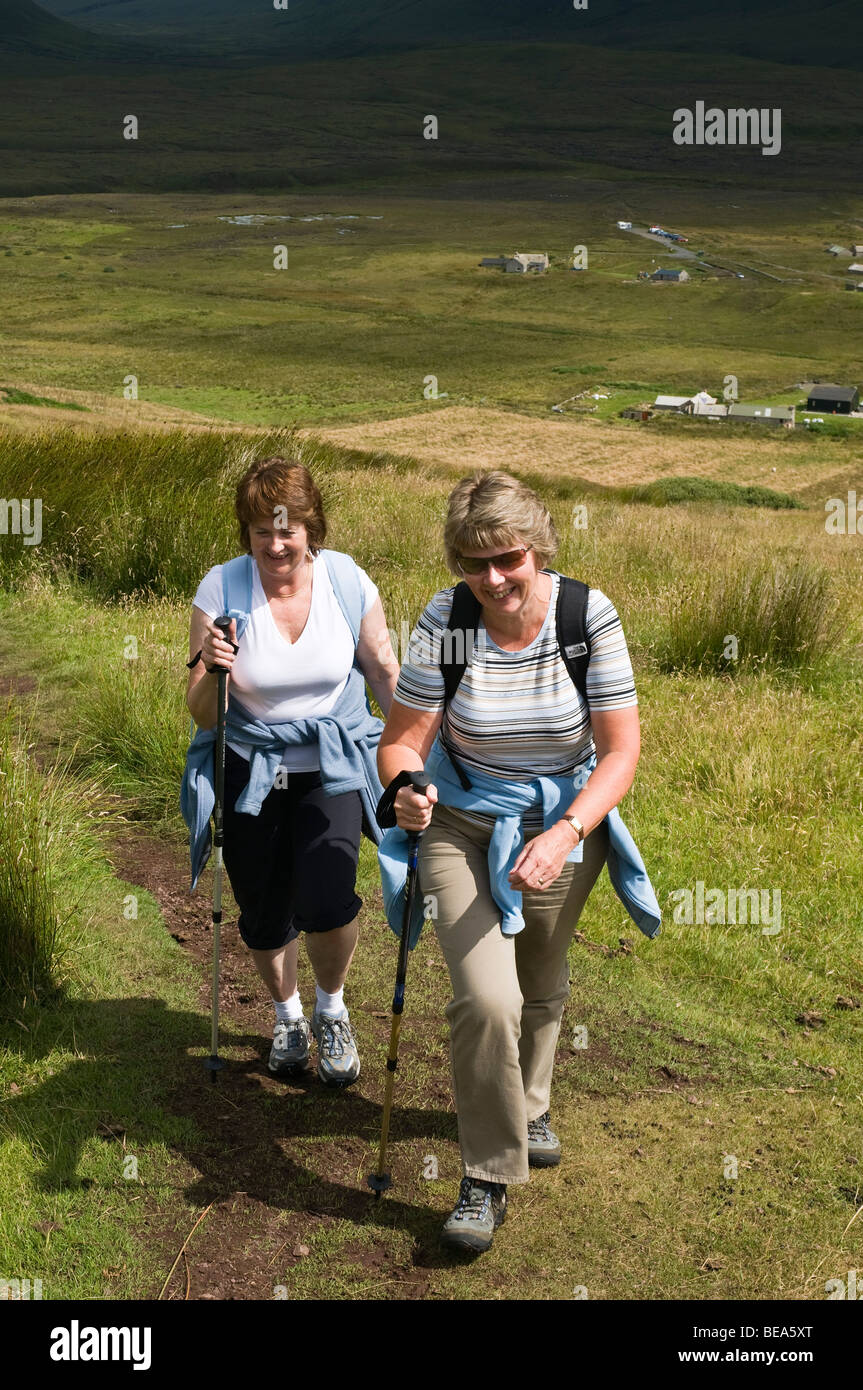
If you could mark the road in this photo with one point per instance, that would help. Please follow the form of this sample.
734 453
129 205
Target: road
672 249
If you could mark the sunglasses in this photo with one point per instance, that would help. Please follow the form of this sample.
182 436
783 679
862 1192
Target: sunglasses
509 560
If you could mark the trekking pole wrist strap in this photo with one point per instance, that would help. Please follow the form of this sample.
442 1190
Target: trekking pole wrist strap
385 813
197 657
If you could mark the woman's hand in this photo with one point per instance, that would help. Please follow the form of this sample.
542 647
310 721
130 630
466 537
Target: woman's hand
413 810
215 650
542 859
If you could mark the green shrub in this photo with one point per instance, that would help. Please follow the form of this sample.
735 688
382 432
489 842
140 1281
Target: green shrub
665 491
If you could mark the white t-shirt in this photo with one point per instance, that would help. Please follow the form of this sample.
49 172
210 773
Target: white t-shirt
278 680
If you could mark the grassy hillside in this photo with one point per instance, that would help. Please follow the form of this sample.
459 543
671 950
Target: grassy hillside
578 112
710 1126
795 31
32 37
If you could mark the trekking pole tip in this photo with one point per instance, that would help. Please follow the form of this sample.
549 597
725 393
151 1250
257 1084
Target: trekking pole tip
213 1065
379 1183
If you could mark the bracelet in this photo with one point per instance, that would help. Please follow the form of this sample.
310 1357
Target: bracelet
579 833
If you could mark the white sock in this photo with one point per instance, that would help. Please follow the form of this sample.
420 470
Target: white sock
289 1010
332 1004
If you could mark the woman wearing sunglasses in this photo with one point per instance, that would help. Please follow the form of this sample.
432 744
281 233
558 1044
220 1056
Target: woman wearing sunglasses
519 733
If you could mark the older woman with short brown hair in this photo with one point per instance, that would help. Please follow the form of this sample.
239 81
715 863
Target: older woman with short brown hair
525 770
300 781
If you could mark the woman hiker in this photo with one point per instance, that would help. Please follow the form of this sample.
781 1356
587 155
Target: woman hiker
530 737
301 784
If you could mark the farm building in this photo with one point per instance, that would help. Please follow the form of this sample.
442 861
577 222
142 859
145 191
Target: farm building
674 276
855 269
624 226
839 400
854 284
700 404
841 251
519 264
636 412
857 250
524 261
763 414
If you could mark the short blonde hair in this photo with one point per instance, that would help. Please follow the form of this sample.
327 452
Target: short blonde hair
274 482
494 508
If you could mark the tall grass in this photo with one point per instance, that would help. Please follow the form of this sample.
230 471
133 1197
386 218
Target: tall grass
135 728
144 514
47 854
781 617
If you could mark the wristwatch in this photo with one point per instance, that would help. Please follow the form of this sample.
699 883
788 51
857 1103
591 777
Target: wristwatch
577 826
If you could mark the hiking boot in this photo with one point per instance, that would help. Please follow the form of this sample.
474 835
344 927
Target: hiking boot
543 1146
338 1058
480 1209
290 1051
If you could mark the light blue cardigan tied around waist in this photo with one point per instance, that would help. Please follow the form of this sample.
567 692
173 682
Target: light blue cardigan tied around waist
507 801
347 738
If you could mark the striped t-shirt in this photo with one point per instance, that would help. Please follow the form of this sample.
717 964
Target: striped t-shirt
518 714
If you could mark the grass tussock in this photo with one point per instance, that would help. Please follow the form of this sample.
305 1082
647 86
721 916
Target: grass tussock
779 617
135 729
47 857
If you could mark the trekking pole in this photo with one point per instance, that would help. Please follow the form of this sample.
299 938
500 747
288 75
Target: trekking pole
380 1180
214 1062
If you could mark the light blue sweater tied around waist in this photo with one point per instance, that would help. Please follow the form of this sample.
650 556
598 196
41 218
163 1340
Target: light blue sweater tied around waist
347 739
507 801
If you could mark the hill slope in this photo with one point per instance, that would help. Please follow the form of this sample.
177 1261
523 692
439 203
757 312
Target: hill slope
28 33
815 32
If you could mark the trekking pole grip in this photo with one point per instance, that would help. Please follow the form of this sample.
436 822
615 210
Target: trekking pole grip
420 783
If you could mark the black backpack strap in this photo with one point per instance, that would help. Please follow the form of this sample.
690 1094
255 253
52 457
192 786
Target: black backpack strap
463 620
572 637
456 646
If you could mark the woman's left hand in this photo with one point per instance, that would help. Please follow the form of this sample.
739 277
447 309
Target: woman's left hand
542 859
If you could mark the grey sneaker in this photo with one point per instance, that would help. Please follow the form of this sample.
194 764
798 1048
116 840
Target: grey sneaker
480 1209
338 1058
290 1051
543 1145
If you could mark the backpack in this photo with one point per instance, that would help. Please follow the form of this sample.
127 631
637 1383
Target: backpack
572 639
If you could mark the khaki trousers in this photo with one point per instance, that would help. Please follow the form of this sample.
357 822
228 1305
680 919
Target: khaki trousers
508 991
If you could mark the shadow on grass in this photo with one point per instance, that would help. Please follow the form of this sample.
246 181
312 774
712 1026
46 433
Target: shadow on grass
143 1086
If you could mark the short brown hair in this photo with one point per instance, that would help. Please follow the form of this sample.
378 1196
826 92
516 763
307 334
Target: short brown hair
280 482
490 509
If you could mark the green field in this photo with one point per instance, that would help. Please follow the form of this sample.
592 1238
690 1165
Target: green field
383 291
714 1050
